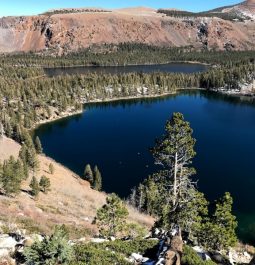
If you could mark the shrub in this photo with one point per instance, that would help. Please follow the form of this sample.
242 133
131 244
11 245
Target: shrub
112 252
190 257
91 254
111 217
45 184
52 250
134 230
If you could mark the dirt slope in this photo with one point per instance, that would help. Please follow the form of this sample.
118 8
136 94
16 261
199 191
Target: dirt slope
71 31
71 201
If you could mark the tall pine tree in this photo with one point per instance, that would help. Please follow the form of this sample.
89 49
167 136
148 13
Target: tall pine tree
174 152
88 174
97 179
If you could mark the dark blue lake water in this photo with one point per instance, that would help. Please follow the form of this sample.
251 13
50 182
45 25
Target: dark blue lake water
117 136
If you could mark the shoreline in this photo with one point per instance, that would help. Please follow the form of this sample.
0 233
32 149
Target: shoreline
61 116
94 101
237 94
139 97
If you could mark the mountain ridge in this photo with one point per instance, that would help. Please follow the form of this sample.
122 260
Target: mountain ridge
67 32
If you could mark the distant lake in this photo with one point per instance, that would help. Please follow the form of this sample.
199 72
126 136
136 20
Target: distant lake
186 68
117 136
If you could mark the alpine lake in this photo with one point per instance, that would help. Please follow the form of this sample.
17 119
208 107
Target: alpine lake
116 136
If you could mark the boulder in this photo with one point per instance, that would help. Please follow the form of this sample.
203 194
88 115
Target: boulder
239 257
252 261
7 261
204 255
30 240
177 244
4 252
99 240
172 258
219 258
135 257
7 242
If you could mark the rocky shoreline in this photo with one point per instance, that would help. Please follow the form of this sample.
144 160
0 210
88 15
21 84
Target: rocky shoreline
246 90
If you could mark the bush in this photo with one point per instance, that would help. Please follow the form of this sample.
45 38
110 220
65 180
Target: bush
52 250
134 230
130 246
91 254
190 257
112 252
111 217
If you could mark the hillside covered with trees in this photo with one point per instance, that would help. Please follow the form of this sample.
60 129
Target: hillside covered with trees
29 97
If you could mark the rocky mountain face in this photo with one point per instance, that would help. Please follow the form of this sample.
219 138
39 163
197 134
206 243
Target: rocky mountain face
66 32
246 8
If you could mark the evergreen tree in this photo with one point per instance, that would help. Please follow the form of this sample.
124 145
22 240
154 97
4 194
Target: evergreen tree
28 155
34 185
38 145
111 218
174 151
11 176
218 233
97 179
88 174
45 184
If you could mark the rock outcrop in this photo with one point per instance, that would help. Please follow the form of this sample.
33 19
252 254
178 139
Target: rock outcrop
246 8
66 32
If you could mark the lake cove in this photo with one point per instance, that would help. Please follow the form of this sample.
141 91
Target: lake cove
186 68
116 136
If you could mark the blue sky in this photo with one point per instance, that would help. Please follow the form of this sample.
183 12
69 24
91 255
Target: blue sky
31 7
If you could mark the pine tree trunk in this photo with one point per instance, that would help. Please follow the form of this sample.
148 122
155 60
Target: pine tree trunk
175 180
1 131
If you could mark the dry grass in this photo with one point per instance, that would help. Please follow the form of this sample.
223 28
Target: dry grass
71 201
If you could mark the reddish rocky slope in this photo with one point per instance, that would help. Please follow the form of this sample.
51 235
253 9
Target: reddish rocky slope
71 31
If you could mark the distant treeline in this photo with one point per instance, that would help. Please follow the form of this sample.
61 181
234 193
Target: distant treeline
124 54
185 14
74 10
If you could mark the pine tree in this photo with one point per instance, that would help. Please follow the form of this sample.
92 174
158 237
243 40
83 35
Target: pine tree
97 179
28 155
111 218
12 174
45 184
218 232
38 145
34 185
174 152
88 174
